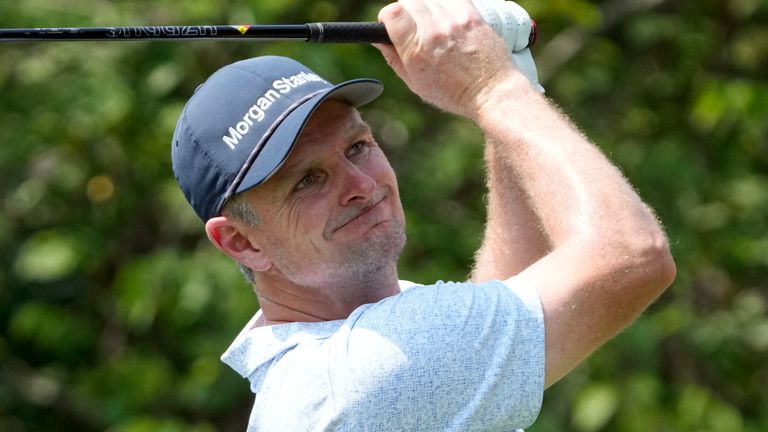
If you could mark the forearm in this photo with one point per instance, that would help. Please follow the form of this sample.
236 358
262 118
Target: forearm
514 237
609 256
571 186
550 189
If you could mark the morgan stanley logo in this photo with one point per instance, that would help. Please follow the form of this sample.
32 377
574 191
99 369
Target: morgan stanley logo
258 110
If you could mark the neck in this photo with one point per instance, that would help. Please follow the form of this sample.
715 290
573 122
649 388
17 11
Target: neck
283 301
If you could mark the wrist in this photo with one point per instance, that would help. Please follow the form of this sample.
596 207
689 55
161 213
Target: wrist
505 100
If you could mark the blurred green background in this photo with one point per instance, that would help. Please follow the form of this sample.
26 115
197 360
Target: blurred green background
114 308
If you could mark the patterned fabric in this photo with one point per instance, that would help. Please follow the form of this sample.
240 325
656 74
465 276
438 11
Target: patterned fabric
443 357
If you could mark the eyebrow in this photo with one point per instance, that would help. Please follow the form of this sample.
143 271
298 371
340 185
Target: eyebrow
286 176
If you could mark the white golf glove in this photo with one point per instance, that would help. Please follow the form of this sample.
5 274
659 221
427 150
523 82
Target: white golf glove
514 25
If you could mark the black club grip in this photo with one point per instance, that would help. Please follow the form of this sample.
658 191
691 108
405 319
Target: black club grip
348 32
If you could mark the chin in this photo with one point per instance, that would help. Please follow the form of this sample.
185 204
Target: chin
380 250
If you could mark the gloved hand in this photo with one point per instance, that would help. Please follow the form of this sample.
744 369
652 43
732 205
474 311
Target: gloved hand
510 21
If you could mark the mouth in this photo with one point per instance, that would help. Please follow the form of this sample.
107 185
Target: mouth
359 215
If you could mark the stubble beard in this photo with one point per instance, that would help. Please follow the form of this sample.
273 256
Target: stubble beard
375 260
366 271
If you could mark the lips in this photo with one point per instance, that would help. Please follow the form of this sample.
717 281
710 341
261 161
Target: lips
358 215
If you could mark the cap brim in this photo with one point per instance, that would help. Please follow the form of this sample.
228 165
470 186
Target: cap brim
274 152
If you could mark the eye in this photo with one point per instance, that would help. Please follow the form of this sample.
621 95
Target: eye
358 150
308 180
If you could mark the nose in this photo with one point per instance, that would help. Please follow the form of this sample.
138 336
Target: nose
357 186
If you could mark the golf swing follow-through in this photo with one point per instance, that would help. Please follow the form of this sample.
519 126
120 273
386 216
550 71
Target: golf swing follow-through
292 185
507 18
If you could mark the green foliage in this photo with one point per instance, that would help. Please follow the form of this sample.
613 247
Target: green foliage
114 308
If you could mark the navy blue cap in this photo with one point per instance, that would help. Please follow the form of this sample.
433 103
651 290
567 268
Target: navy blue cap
239 127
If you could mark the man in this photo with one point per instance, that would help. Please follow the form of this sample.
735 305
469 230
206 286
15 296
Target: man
294 188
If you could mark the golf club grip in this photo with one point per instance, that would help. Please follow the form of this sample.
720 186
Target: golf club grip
348 32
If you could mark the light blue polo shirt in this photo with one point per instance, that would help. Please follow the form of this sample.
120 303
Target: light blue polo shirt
444 357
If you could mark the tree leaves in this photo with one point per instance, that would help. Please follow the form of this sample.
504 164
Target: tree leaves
114 308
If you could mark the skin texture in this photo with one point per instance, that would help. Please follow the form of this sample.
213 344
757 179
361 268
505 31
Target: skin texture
561 218
595 253
332 225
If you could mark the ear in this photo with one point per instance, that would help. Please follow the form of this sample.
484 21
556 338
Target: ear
231 237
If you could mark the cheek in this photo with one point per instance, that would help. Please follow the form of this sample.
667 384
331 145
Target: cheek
385 176
302 218
379 167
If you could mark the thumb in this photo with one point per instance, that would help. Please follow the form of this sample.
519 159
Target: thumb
398 25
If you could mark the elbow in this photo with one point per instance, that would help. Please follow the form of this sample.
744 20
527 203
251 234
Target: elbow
639 262
656 263
667 269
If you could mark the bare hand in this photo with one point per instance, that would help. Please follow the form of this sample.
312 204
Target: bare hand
445 53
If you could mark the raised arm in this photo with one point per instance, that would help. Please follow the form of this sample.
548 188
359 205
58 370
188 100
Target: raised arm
514 235
609 257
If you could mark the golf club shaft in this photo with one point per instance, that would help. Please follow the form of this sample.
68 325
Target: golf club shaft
329 32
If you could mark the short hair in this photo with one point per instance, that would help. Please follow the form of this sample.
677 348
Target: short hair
237 207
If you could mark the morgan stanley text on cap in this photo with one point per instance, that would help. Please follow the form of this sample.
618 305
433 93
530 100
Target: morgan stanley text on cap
239 126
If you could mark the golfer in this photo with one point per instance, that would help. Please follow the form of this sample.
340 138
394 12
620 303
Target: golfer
293 186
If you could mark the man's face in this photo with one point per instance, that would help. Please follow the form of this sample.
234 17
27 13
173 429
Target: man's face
332 215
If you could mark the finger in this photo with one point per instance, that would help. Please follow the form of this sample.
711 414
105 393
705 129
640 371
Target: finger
459 7
430 9
430 17
398 22
418 9
449 10
457 16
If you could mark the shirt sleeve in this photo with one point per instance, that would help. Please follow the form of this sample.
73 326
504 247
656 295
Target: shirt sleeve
449 356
